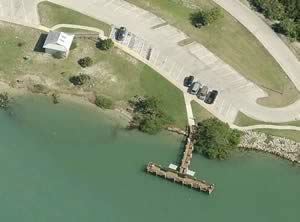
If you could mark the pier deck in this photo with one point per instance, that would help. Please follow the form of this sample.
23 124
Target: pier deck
178 177
181 175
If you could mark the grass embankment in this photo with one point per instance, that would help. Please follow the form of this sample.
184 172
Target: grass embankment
288 134
244 120
233 43
200 113
52 14
114 73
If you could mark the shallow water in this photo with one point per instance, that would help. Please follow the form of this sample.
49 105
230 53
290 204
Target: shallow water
68 162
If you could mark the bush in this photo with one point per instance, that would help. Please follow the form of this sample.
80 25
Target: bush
4 100
20 44
80 79
215 139
85 62
39 88
103 102
206 17
105 44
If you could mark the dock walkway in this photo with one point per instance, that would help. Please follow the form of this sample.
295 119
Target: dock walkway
181 176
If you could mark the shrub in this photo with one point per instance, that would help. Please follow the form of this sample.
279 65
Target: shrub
39 88
215 139
20 44
105 44
206 17
4 100
80 79
55 97
85 62
103 102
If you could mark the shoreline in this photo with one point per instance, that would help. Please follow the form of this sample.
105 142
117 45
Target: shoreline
250 141
278 146
114 114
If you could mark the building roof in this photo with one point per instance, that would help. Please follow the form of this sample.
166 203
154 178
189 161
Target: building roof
59 41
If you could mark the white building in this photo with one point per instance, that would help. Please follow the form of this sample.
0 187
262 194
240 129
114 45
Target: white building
58 43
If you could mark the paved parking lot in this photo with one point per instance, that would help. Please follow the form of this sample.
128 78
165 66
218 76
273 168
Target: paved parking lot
176 63
19 11
152 38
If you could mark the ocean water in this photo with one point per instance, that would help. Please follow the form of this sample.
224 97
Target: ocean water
68 162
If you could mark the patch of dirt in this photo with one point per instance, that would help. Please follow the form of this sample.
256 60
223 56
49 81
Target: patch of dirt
192 4
100 71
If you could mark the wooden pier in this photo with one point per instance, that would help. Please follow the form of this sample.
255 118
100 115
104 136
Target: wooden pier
181 175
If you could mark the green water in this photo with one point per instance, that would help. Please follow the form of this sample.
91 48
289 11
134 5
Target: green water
70 163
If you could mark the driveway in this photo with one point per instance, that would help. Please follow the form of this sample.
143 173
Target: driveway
276 47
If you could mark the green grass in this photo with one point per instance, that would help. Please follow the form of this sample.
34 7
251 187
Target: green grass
52 14
244 120
73 30
233 43
114 73
200 113
289 134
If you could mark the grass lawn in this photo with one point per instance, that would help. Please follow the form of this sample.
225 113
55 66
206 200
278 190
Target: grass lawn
289 134
52 14
114 74
233 43
244 120
200 113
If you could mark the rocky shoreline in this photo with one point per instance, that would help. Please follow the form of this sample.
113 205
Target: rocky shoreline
278 146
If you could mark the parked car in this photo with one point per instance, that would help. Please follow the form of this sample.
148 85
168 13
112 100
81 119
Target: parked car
211 97
121 33
188 81
194 88
202 92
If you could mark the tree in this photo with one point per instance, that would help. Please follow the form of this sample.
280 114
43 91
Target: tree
85 62
287 27
272 9
103 102
105 44
298 31
206 17
286 11
80 79
148 115
215 139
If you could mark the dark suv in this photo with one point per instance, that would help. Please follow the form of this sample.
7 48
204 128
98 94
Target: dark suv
121 33
188 81
211 97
